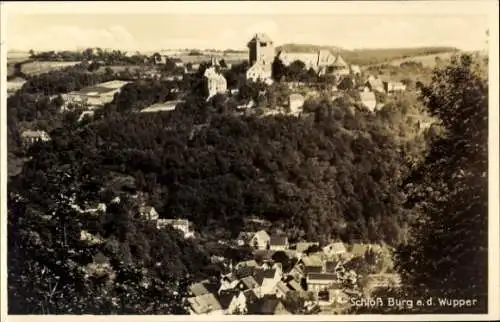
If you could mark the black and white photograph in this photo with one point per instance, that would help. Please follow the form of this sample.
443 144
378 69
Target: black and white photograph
250 158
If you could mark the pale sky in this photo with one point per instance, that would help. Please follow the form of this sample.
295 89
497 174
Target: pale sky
146 32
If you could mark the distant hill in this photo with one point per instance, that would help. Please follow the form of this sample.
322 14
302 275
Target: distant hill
307 48
369 56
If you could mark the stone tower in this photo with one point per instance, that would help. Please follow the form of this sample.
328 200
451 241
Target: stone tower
261 49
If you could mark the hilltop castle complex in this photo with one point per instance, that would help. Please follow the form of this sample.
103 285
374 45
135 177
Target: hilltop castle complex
262 54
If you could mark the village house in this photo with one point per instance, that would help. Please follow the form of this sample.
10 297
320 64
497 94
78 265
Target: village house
260 240
340 67
205 304
320 281
93 97
228 282
30 137
248 263
184 225
270 305
201 288
368 100
281 290
216 83
333 266
374 84
393 87
334 249
89 238
268 279
302 247
160 59
312 260
249 283
162 107
242 302
295 103
355 70
244 238
149 213
294 286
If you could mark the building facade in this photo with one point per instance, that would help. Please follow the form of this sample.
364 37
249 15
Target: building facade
215 82
261 57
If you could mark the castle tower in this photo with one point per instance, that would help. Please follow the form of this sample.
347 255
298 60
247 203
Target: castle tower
261 49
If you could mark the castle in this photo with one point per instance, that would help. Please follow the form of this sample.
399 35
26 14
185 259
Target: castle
262 54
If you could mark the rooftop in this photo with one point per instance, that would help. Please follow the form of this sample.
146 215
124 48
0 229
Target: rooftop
204 303
100 89
164 106
322 276
30 133
303 246
261 37
198 289
367 96
278 240
294 97
249 282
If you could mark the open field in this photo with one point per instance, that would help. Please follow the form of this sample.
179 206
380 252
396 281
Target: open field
426 60
229 58
40 67
17 56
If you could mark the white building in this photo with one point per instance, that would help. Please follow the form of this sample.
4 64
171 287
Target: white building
29 137
369 100
162 107
183 225
295 103
216 83
337 248
260 240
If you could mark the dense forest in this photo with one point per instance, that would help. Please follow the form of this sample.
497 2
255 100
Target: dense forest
446 255
335 172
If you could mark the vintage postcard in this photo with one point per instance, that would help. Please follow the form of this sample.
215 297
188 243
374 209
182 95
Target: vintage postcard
250 160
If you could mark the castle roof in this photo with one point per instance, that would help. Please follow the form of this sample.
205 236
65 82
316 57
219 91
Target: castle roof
260 37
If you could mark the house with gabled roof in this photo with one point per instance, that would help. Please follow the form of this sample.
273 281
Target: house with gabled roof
184 225
268 305
368 100
355 70
294 286
320 281
148 213
374 84
202 288
260 240
242 301
249 283
281 289
204 304
244 238
29 137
